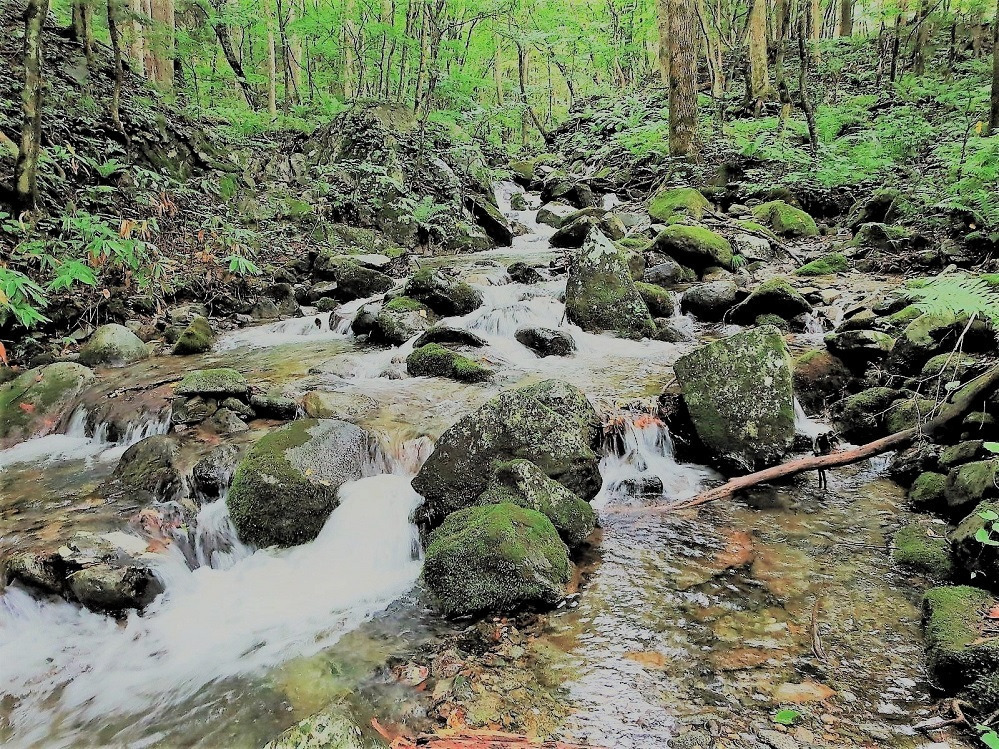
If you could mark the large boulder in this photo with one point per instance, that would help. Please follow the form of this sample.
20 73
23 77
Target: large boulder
113 345
148 469
961 655
39 400
695 247
739 394
550 423
785 219
114 589
523 483
862 416
197 338
936 333
858 348
773 297
678 203
970 485
434 360
442 294
710 301
554 214
819 379
976 559
285 488
399 320
916 547
600 293
353 281
491 219
495 558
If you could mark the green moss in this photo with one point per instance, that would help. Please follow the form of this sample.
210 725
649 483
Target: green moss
957 654
634 244
961 453
222 381
786 220
833 262
433 360
443 295
326 304
661 303
927 491
930 555
36 400
756 227
971 484
770 319
495 558
197 338
908 413
695 246
677 203
405 304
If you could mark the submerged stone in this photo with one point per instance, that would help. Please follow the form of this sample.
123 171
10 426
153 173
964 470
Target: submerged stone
917 549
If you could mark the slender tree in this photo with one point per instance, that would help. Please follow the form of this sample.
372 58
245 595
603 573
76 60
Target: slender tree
846 17
994 109
756 34
684 43
662 25
26 166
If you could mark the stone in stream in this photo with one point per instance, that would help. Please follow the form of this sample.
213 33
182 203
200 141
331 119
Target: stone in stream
546 341
785 219
660 302
148 469
285 488
489 217
550 423
937 332
114 589
554 214
113 345
858 348
444 295
740 397
521 272
775 297
861 417
38 401
819 379
572 234
695 247
226 422
212 474
522 483
222 382
600 294
667 272
399 320
970 485
353 281
446 334
915 546
197 338
926 494
710 301
193 410
319 404
330 729
495 558
677 204
433 360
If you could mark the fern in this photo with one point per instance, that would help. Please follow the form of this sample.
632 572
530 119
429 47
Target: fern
958 294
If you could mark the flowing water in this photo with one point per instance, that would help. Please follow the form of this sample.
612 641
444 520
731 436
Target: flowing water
683 617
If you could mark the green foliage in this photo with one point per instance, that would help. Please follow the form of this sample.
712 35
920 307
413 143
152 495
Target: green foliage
787 717
958 294
21 297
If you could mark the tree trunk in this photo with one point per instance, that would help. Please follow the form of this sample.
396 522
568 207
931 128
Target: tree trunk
26 166
114 30
662 23
994 109
846 17
780 77
271 63
803 89
137 46
225 44
759 77
83 28
683 46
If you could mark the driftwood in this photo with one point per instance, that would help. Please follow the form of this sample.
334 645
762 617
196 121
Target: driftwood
468 739
954 407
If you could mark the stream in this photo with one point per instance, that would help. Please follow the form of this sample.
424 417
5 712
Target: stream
691 618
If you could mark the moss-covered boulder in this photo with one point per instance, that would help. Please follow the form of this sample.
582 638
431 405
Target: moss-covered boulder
524 484
285 488
695 247
221 382
927 492
828 264
495 558
554 214
678 203
659 301
38 401
773 297
572 234
197 338
399 320
908 413
785 219
113 345
710 301
442 294
739 394
918 548
976 559
970 485
433 360
959 651
353 281
148 469
934 333
861 416
546 341
961 453
550 423
819 379
881 206
858 348
600 294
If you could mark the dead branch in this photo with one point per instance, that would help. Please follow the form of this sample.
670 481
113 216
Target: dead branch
817 650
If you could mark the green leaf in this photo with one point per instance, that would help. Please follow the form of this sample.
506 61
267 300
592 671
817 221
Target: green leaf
787 717
988 515
992 447
990 738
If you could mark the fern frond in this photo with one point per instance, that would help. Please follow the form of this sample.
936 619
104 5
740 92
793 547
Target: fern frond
959 294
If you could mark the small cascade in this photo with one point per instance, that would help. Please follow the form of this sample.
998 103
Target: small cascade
512 306
806 426
814 324
216 544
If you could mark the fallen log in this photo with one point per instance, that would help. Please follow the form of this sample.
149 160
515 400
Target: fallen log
468 739
957 404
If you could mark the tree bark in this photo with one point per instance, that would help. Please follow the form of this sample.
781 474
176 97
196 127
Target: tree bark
271 63
662 24
26 166
994 108
137 47
114 30
846 18
225 44
759 77
804 55
683 47
83 28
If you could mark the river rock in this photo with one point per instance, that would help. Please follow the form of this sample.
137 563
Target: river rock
521 272
927 493
935 333
710 301
819 379
600 294
38 401
546 341
572 234
695 247
861 417
970 485
522 483
197 338
113 345
319 404
491 219
495 558
445 334
149 468
667 273
773 297
785 219
554 214
550 423
659 301
858 348
285 488
975 559
353 281
753 248
225 422
917 547
193 410
433 360
959 655
399 320
740 397
330 729
213 473
183 314
114 589
444 295
220 383
678 203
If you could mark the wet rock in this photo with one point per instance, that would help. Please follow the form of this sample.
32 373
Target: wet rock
283 295
660 303
916 546
819 379
322 290
554 214
193 410
285 488
319 404
600 293
858 348
695 247
149 467
433 360
961 453
353 281
522 483
399 320
550 423
786 220
221 382
489 217
521 272
112 589
935 333
184 314
677 204
833 262
970 485
330 729
572 234
265 309
442 294
42 569
740 397
546 341
197 338
927 493
113 346
710 301
977 560
225 421
667 273
773 297
908 413
957 654
240 408
38 401
213 473
752 248
861 417
445 334
495 558
669 330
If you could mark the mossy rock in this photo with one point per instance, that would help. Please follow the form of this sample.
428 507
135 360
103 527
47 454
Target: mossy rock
879 236
660 302
677 204
971 484
908 413
523 483
861 417
399 320
353 280
495 558
113 346
600 293
858 348
756 228
916 549
445 296
934 333
197 338
961 453
773 297
819 379
927 492
551 423
785 219
330 729
977 560
695 246
740 397
220 382
833 262
958 652
285 488
148 468
433 360
38 401
710 301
